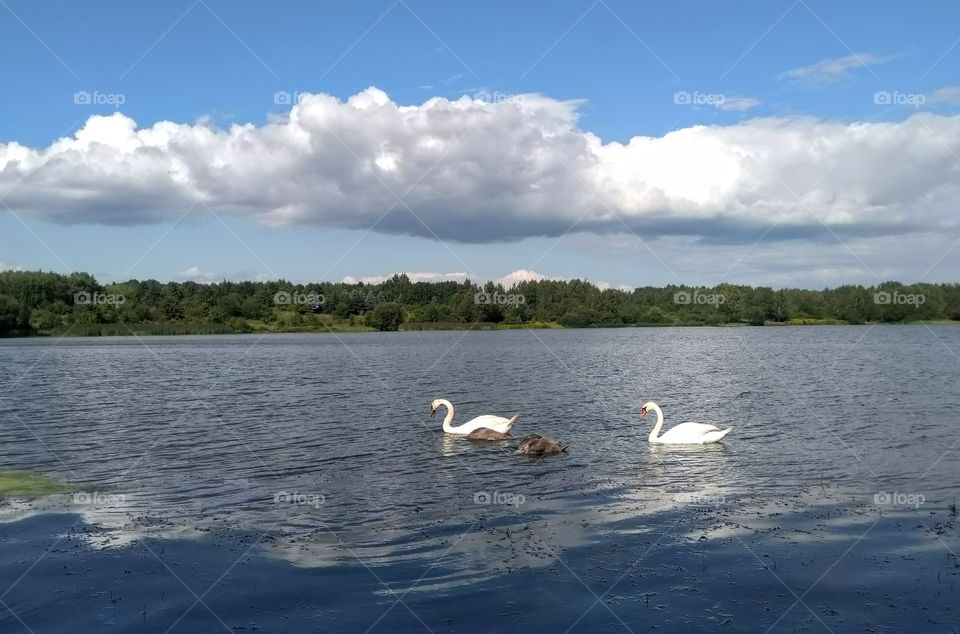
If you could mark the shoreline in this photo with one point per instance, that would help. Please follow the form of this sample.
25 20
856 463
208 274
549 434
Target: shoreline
163 330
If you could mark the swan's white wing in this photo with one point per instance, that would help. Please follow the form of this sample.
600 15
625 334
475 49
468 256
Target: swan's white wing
714 436
689 428
687 433
490 421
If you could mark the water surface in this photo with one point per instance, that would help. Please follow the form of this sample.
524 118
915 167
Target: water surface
312 460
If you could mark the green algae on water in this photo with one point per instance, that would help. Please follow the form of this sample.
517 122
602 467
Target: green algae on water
27 483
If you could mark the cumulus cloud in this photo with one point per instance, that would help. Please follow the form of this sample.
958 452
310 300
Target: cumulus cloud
521 275
508 281
603 286
738 104
195 274
949 94
829 71
478 171
415 276
200 276
524 275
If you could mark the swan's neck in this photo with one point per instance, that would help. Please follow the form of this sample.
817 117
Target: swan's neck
448 419
656 428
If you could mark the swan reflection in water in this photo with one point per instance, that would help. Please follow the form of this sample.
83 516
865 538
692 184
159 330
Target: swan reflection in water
450 445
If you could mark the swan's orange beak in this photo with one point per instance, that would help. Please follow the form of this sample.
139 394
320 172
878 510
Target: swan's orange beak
433 412
643 412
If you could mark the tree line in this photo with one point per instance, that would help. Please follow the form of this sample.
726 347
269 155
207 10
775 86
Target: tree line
36 302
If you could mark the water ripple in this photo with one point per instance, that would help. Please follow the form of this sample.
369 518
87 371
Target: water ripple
326 442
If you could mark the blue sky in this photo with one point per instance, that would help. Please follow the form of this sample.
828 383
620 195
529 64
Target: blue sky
612 70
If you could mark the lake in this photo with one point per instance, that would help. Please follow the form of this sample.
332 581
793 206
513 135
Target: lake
297 482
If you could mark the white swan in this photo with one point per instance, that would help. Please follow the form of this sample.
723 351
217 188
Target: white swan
489 421
683 434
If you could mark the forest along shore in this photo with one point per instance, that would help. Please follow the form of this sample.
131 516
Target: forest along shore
40 303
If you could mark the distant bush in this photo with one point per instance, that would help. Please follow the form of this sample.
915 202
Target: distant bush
656 315
586 317
387 316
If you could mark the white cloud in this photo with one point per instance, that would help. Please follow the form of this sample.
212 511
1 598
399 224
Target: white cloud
198 275
413 275
521 275
11 267
738 104
828 71
366 279
607 285
949 94
194 274
475 171
508 281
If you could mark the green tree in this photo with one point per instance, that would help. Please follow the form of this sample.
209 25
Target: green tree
655 315
9 314
387 316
